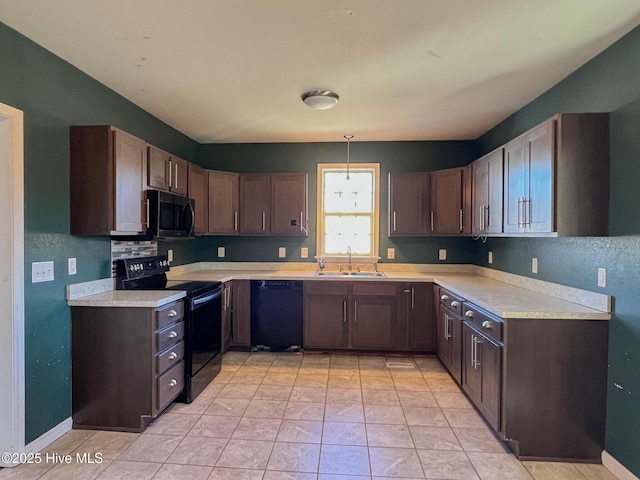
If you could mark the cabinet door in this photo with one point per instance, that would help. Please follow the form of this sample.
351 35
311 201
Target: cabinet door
373 324
179 175
490 358
446 201
471 364
409 204
224 194
539 205
515 185
255 196
420 324
289 204
326 323
487 193
241 313
455 331
130 169
198 191
158 168
227 301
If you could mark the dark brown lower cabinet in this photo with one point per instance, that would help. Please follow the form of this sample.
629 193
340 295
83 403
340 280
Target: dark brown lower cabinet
449 328
415 303
374 322
325 321
241 313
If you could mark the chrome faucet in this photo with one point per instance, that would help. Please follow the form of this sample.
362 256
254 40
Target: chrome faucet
349 253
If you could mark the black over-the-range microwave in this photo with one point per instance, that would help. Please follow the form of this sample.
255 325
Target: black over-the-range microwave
171 217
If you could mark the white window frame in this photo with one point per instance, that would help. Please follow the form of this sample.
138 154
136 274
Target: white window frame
375 215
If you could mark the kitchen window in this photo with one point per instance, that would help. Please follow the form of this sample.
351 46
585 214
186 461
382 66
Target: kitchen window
348 211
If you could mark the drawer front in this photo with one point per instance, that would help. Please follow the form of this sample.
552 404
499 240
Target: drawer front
169 357
489 325
324 287
170 385
451 301
169 336
169 314
374 289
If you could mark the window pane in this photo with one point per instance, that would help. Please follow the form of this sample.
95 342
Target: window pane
348 196
343 231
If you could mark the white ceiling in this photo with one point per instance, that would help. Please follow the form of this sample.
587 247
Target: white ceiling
233 70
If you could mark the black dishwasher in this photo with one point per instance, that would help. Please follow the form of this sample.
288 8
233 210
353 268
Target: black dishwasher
276 314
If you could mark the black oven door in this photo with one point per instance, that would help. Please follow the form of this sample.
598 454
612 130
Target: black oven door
203 345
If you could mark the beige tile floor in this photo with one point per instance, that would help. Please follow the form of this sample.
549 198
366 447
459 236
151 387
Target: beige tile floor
290 416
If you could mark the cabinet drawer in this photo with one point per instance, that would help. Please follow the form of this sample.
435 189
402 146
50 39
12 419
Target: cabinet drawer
169 357
169 314
170 385
375 289
453 302
323 287
489 325
169 336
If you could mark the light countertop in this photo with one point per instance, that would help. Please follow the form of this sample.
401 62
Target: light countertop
128 298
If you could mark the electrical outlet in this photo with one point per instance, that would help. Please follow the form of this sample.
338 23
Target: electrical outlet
170 255
221 252
71 266
442 254
534 265
282 252
490 258
41 272
304 252
391 253
602 277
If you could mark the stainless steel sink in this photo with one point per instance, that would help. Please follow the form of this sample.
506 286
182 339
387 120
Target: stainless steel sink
348 274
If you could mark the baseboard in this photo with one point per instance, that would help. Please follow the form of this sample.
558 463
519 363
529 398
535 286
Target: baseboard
49 437
614 466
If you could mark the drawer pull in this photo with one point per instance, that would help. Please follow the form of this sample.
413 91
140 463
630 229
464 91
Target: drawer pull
173 356
468 313
454 304
444 297
173 334
172 313
173 382
486 324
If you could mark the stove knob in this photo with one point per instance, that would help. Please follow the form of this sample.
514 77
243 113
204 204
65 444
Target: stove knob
131 267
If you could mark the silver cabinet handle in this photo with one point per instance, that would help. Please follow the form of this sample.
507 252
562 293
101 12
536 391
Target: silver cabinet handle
413 297
481 219
461 226
486 217
173 356
476 352
170 174
519 222
394 220
147 206
172 313
302 229
355 312
468 313
444 297
176 176
447 330
344 311
454 304
432 220
486 324
264 221
528 217
473 352
235 220
172 334
173 382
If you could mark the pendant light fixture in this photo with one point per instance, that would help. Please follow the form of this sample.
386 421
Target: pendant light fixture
348 137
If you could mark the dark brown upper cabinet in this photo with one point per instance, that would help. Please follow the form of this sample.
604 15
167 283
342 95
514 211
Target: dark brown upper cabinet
486 210
409 204
224 203
199 192
255 199
167 172
451 201
556 177
108 176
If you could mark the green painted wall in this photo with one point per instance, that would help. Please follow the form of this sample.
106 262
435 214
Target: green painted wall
608 83
304 157
53 96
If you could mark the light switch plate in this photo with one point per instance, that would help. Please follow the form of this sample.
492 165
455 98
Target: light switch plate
490 258
282 252
41 272
71 266
602 277
534 265
442 254
304 252
221 252
391 253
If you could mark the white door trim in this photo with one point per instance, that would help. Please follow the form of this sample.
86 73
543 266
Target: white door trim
12 399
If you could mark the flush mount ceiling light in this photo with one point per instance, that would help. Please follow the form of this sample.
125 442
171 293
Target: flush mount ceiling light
320 99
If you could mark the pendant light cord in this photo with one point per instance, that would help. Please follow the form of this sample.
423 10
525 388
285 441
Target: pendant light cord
348 137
